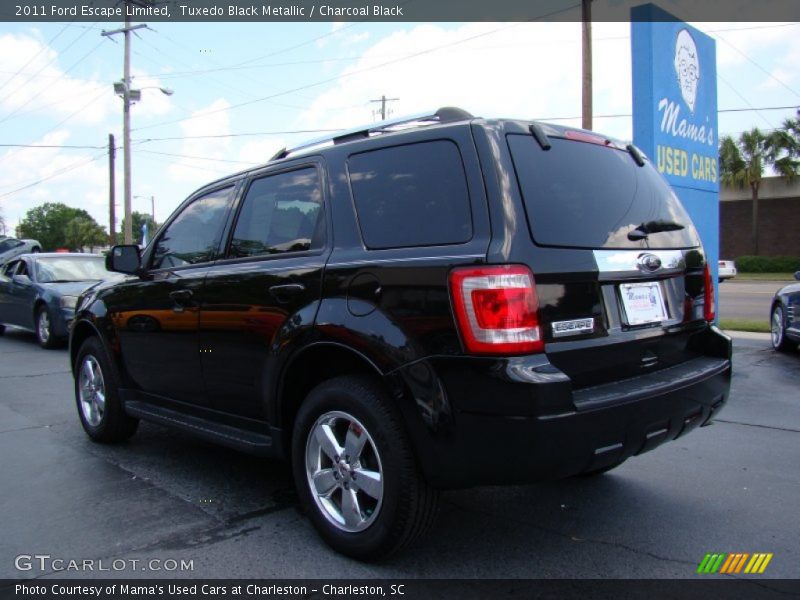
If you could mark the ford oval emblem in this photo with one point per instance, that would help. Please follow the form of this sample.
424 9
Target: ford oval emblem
649 262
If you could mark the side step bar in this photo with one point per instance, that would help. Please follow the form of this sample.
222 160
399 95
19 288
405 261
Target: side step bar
261 444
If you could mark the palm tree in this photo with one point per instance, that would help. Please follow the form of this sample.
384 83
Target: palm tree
742 162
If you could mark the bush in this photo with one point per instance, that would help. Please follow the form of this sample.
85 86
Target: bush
768 264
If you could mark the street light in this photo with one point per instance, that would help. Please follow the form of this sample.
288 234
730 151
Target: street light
129 96
152 205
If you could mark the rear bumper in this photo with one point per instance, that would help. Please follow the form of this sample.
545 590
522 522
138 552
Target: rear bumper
533 426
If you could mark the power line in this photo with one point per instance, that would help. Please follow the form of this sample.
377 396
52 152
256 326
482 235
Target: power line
82 108
50 62
223 160
300 45
758 66
54 175
205 169
331 79
234 135
63 75
42 48
745 100
50 146
625 115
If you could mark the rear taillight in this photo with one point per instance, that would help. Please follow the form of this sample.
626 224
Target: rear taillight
496 309
708 295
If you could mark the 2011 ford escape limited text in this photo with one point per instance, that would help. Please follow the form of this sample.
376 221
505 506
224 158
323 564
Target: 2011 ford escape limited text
434 302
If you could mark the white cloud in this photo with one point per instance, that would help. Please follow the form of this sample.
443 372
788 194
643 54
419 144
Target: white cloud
204 154
42 87
258 152
490 69
80 181
339 33
154 102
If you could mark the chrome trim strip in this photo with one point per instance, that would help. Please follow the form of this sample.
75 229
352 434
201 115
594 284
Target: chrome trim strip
356 263
621 261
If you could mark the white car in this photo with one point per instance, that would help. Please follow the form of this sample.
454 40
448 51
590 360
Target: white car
727 270
12 247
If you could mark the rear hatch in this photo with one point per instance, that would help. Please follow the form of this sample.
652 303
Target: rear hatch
619 269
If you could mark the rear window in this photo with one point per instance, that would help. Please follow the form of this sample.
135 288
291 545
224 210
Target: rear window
583 195
412 195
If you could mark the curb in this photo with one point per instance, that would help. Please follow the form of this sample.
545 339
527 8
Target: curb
747 335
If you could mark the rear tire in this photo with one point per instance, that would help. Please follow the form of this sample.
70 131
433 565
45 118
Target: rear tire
97 396
355 473
778 330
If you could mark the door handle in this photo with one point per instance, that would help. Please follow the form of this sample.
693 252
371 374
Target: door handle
283 292
181 296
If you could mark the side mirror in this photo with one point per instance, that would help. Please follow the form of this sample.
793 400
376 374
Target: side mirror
797 275
22 280
124 259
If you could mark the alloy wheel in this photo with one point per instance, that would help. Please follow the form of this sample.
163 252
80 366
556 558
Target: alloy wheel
777 327
92 391
43 327
344 471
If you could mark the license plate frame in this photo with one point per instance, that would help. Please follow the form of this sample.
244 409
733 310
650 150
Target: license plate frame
643 303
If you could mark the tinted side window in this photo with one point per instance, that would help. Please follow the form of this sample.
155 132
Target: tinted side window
414 195
281 213
194 235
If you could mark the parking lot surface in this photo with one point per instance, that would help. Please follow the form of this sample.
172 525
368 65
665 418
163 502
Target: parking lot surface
163 496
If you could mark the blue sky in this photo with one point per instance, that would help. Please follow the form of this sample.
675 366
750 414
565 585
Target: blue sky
240 89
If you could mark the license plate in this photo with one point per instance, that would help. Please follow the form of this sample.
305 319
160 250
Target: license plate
643 303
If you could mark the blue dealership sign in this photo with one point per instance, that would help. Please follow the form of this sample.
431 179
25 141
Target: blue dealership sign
675 98
675 112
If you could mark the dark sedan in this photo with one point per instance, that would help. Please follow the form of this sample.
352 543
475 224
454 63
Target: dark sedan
785 317
38 292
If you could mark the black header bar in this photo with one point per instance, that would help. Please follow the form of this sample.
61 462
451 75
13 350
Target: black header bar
268 11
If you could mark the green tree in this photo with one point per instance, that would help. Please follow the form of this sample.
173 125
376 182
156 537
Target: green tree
48 224
81 232
785 146
742 163
137 221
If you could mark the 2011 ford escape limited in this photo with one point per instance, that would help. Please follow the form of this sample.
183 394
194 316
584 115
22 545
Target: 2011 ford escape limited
434 302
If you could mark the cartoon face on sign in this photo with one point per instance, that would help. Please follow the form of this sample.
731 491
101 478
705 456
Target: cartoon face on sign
687 67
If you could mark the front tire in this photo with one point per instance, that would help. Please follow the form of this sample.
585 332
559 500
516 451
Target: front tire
778 330
97 396
356 476
44 329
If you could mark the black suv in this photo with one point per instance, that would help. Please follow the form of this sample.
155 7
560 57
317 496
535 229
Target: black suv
428 303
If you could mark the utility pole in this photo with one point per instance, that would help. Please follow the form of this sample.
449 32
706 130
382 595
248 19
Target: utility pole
128 96
383 100
586 19
112 213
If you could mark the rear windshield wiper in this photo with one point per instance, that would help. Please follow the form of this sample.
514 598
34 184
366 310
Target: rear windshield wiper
642 231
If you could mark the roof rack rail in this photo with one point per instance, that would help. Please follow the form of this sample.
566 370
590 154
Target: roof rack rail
443 115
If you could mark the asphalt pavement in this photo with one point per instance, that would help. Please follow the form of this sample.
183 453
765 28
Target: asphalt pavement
739 299
163 496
